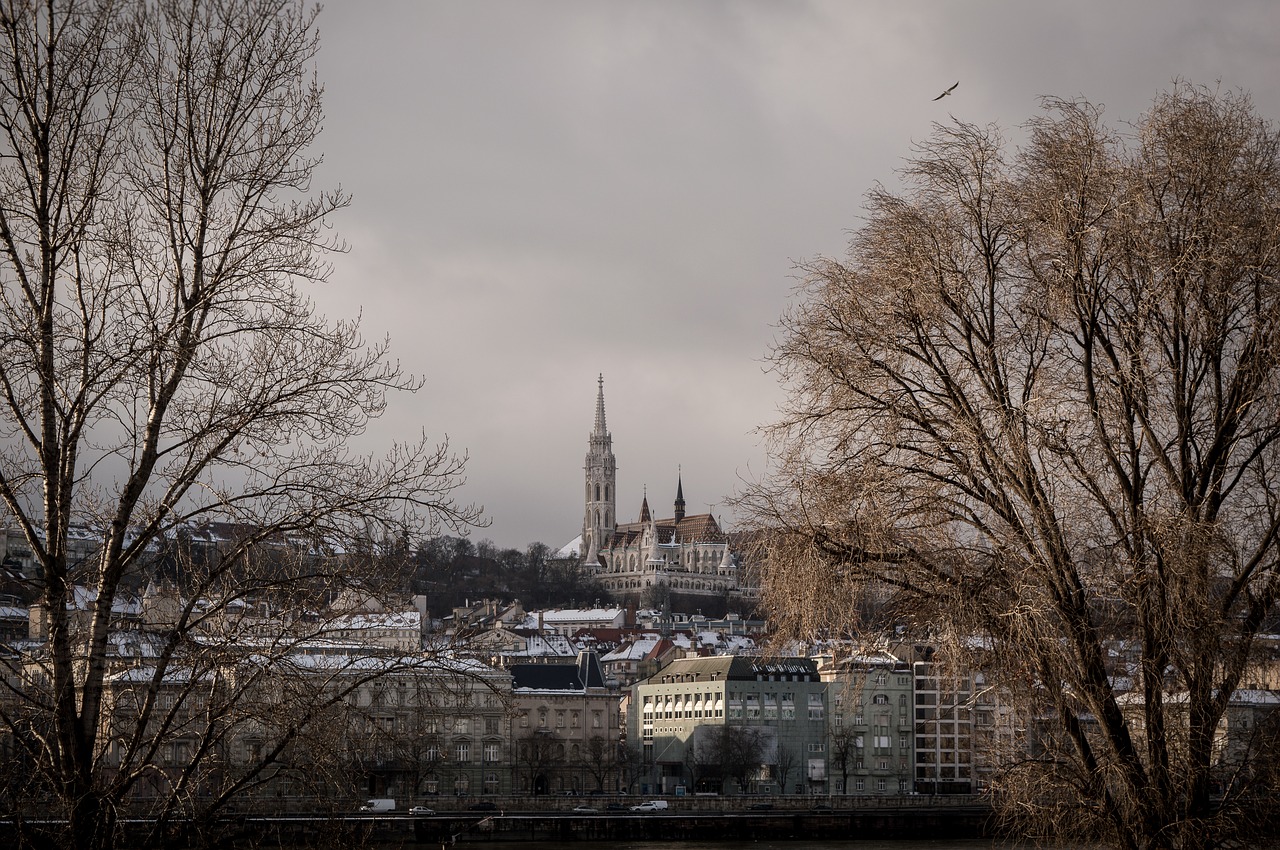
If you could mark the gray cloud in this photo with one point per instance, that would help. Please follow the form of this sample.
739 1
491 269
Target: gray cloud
545 191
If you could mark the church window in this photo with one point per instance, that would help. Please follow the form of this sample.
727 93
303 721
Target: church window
606 492
597 492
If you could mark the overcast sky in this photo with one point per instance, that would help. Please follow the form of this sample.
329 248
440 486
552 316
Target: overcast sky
546 191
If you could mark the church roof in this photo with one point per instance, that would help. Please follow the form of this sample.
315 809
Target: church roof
694 528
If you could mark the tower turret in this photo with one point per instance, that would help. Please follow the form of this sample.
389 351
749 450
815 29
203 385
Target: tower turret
679 514
601 515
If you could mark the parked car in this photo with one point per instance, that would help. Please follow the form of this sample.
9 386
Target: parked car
421 810
651 806
586 810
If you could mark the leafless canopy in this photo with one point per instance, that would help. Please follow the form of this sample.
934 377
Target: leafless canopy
161 369
1037 407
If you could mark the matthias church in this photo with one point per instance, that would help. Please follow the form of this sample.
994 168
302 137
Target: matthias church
687 555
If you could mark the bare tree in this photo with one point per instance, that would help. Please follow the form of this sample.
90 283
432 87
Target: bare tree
160 368
539 755
600 759
784 764
731 752
1038 405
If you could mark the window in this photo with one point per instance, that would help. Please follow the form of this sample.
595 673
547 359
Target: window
753 708
462 751
788 706
815 707
492 752
817 748
770 707
573 720
880 699
491 725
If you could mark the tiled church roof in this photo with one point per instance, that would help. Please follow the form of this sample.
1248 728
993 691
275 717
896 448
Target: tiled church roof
694 528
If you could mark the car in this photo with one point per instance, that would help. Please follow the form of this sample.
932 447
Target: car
645 807
586 810
421 810
483 806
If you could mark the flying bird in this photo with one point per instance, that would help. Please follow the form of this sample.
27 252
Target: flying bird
948 91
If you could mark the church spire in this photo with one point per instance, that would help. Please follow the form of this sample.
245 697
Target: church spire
600 427
600 517
679 495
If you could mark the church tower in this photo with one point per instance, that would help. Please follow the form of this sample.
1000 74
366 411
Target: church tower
679 506
601 517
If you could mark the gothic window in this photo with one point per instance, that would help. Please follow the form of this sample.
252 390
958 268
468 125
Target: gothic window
606 492
597 492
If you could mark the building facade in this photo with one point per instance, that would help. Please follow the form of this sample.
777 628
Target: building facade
566 732
732 724
870 748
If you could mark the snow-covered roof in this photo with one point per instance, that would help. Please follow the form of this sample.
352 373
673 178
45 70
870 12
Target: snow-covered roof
572 549
634 650
388 620
578 615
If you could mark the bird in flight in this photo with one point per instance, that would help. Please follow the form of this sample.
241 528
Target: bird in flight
948 91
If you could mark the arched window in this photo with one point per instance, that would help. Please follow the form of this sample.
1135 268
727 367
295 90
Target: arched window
606 492
597 492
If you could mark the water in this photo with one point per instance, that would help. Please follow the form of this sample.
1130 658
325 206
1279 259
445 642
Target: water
773 844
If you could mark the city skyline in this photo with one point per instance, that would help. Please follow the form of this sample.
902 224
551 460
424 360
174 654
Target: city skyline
547 192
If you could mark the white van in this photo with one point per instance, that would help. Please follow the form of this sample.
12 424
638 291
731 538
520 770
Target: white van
651 806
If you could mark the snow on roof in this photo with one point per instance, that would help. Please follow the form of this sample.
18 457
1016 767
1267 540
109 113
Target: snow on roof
634 650
575 615
572 549
1242 696
388 620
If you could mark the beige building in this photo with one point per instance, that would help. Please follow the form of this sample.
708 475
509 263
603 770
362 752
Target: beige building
566 733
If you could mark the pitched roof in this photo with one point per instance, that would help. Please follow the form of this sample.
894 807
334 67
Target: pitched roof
694 528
